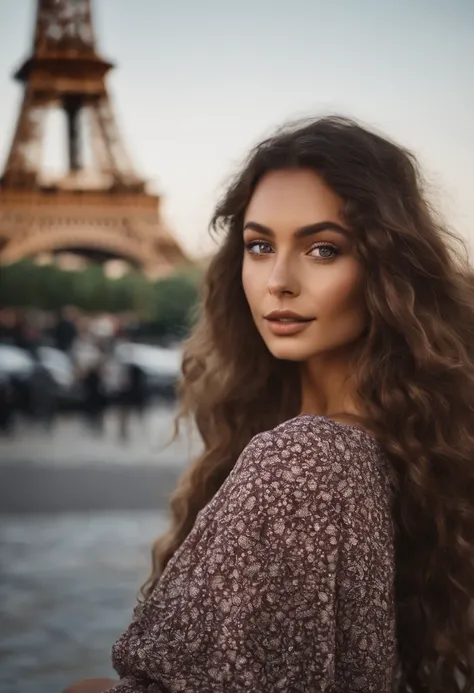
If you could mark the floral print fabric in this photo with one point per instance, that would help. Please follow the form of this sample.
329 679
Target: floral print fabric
285 583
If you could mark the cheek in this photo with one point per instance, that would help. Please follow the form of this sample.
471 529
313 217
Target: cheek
251 284
342 291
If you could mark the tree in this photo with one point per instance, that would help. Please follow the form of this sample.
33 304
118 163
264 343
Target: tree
166 304
175 299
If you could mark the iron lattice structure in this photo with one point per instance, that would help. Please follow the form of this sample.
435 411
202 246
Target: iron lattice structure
101 210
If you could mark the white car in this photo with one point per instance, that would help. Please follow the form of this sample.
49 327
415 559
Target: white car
161 367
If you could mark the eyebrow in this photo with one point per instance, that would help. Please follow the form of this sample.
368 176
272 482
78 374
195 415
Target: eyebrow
302 232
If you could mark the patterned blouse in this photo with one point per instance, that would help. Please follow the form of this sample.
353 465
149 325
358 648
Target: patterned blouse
286 581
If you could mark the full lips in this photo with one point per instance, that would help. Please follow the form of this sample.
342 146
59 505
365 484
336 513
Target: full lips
288 328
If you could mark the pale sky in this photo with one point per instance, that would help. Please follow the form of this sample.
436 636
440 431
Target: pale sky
198 83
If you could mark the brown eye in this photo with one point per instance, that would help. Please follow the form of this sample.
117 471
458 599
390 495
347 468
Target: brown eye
258 248
325 251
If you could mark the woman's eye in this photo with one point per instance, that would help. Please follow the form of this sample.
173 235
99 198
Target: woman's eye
323 251
258 248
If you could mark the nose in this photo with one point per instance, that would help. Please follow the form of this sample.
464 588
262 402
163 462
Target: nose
283 279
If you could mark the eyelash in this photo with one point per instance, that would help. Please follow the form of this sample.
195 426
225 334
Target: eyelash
335 250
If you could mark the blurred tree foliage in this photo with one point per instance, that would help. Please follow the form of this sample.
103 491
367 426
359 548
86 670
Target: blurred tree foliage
167 303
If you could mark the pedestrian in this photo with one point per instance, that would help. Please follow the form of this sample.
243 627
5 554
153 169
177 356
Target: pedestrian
65 331
132 399
42 394
95 398
324 539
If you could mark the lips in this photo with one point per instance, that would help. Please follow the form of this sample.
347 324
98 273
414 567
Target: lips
286 316
286 323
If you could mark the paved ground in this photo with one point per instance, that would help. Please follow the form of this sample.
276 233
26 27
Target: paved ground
31 489
79 516
72 443
73 469
67 589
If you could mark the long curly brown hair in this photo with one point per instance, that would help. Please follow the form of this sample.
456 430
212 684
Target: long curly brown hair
415 376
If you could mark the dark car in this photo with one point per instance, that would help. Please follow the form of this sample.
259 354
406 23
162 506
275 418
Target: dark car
35 384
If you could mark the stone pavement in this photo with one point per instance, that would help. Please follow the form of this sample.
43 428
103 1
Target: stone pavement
80 513
68 584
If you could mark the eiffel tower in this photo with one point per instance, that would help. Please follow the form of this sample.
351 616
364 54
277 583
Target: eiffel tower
102 211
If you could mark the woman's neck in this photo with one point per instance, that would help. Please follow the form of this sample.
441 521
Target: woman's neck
328 387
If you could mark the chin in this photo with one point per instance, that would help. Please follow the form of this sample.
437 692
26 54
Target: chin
290 352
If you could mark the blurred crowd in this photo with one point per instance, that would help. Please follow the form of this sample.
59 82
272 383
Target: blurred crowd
69 361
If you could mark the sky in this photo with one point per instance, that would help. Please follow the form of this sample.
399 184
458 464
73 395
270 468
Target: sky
198 83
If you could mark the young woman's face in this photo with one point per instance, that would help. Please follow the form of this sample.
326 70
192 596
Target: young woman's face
300 257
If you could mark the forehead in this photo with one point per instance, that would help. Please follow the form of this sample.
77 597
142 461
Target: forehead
293 196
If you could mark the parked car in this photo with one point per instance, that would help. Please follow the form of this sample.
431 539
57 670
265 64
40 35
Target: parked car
70 392
7 403
15 362
51 370
160 367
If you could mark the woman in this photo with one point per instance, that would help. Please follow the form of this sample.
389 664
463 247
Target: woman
324 540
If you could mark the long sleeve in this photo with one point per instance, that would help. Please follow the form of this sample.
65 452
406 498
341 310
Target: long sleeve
250 600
